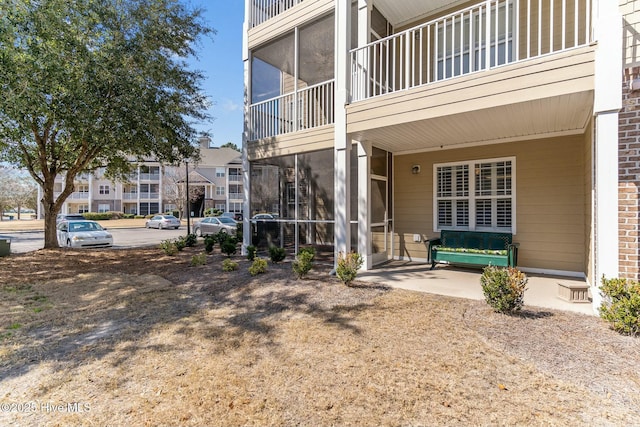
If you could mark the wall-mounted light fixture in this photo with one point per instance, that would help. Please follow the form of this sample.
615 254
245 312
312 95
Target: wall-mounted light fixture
415 169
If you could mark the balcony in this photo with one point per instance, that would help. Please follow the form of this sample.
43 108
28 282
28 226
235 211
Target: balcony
478 38
82 195
130 196
236 196
263 10
235 178
307 108
149 196
149 177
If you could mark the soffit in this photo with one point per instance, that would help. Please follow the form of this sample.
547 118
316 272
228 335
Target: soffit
403 12
559 115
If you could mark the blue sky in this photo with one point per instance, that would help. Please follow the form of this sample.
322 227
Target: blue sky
220 57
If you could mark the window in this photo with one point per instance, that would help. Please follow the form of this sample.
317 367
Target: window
221 207
219 191
475 195
104 189
82 188
83 209
104 208
235 207
220 172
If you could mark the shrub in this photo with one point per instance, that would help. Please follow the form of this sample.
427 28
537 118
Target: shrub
621 305
251 252
128 216
191 240
209 243
303 263
258 266
309 249
276 254
503 288
200 259
348 266
229 246
169 247
181 243
228 265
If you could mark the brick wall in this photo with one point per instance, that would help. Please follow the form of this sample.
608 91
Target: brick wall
629 178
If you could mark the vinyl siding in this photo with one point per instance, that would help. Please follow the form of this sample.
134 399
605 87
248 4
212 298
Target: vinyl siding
551 203
298 142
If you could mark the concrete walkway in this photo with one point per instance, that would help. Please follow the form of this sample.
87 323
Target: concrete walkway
542 290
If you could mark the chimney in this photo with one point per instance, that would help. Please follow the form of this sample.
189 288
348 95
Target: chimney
205 142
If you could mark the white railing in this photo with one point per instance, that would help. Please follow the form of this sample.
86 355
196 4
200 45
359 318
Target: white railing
130 196
480 37
79 195
235 178
149 176
307 108
148 196
263 10
236 196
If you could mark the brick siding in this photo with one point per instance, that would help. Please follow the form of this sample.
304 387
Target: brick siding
629 178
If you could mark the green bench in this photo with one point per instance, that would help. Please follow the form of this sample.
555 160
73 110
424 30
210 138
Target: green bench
474 248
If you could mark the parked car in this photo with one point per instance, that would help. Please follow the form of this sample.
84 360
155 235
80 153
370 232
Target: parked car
235 215
83 234
265 216
215 224
163 221
68 217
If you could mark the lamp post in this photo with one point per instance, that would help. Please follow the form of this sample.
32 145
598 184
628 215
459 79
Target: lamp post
186 164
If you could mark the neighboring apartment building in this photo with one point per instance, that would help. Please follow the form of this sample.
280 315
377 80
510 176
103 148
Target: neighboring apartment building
214 182
390 120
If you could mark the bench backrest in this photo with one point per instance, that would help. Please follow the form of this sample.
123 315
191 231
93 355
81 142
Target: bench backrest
475 239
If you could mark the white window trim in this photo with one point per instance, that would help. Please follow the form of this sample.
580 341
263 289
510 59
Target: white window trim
472 197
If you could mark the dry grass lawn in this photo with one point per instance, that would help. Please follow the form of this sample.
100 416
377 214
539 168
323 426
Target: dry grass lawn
135 337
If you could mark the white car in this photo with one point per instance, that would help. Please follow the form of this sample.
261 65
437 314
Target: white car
83 234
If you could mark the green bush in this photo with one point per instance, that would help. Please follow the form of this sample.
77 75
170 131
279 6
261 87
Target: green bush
169 247
181 243
258 266
191 240
209 243
309 249
348 266
251 252
503 288
621 305
276 254
200 259
139 216
128 216
303 263
229 246
228 265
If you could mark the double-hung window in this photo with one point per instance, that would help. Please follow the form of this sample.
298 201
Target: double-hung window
475 195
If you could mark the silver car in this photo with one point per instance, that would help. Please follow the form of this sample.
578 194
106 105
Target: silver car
83 234
163 221
213 225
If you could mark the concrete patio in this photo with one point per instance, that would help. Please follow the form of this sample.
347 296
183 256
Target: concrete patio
542 290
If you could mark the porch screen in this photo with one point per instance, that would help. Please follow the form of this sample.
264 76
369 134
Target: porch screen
475 195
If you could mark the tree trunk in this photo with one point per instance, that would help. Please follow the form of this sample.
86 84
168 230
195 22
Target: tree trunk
50 214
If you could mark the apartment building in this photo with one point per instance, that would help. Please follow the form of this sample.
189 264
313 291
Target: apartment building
391 120
214 182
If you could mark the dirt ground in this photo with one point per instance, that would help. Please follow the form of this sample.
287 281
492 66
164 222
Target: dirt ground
135 337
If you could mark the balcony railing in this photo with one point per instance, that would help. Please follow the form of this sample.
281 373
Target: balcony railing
147 196
149 176
235 178
263 10
83 195
490 34
130 196
307 108
236 196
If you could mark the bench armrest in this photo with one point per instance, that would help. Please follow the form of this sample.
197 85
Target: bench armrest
432 243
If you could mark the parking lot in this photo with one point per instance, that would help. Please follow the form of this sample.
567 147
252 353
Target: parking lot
28 236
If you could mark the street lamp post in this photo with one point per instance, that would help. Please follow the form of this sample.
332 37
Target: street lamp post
186 163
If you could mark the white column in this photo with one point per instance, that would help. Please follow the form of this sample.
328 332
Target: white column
607 103
342 148
160 188
246 185
90 198
364 204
